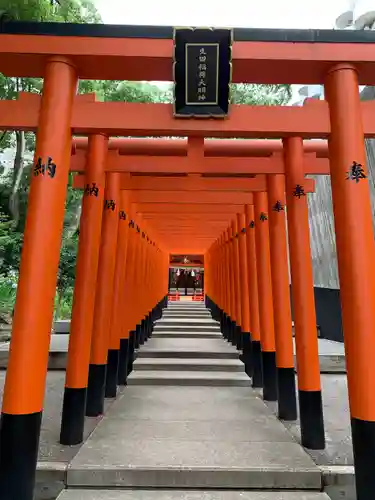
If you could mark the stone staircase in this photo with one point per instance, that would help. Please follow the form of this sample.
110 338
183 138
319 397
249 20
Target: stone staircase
187 349
189 427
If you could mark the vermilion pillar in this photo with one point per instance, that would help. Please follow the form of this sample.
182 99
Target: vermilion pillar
226 280
237 285
256 366
128 327
121 317
103 297
28 357
223 287
287 405
245 305
74 405
267 329
138 289
356 263
116 318
308 369
231 283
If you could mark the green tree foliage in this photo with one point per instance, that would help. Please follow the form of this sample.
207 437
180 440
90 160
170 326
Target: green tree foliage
14 183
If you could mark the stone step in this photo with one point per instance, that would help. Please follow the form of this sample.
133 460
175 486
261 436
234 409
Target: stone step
191 320
157 494
183 314
165 364
189 378
186 305
187 335
184 354
222 438
185 327
197 308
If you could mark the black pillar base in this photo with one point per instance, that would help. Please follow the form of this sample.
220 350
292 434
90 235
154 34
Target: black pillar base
233 333
19 445
363 436
311 419
142 332
239 339
286 388
132 336
247 353
96 390
222 323
269 375
122 373
257 364
112 373
73 416
137 337
150 326
226 327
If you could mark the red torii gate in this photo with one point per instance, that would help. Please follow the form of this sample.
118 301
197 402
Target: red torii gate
339 60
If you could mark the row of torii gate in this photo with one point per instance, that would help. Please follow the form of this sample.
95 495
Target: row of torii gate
146 198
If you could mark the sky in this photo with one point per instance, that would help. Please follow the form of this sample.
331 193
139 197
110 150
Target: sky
242 13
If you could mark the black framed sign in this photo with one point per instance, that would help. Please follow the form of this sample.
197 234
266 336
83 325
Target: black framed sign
202 72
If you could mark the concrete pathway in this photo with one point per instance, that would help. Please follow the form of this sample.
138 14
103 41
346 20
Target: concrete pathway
186 429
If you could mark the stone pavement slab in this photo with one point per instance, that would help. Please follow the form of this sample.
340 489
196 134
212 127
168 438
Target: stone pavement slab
188 495
336 421
196 438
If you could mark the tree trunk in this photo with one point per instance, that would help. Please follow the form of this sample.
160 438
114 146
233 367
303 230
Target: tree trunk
17 175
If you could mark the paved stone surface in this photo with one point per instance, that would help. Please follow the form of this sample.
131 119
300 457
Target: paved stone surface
339 482
50 449
188 495
198 437
338 450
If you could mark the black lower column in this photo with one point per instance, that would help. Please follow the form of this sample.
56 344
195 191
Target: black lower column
247 353
19 446
269 375
122 373
233 333
137 337
96 390
132 336
286 388
73 416
112 373
257 363
239 339
311 420
363 437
